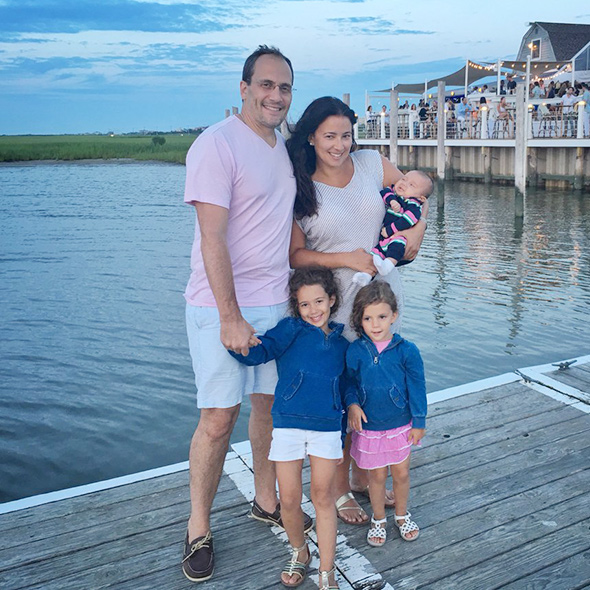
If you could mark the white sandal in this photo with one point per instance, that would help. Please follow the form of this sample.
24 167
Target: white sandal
407 527
324 580
377 531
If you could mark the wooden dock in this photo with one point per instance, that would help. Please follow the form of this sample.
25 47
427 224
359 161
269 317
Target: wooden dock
500 491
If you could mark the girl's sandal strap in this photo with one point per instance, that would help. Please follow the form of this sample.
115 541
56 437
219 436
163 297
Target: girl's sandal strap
324 580
377 531
295 567
406 528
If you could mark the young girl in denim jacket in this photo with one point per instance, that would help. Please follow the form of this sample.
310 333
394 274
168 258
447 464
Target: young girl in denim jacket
386 401
307 414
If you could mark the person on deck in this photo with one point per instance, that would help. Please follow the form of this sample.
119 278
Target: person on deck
240 181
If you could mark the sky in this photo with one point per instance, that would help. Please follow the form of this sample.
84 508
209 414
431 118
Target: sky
84 66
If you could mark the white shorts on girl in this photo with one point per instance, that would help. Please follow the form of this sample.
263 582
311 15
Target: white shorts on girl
291 444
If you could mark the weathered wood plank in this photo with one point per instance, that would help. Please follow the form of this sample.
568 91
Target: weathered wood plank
572 573
30 516
457 557
232 530
496 572
476 398
485 444
496 411
440 527
99 533
578 379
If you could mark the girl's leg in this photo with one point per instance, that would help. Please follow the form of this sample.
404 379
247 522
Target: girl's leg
401 488
323 472
377 479
290 492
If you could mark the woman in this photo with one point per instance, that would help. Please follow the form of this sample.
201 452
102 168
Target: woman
338 216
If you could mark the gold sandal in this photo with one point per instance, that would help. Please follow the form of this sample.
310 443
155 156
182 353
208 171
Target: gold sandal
295 567
324 580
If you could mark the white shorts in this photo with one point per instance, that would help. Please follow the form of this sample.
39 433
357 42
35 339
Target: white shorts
291 444
221 380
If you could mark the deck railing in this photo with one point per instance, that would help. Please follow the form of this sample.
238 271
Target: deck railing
546 118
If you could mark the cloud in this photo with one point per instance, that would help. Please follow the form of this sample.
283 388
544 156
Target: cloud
371 25
59 16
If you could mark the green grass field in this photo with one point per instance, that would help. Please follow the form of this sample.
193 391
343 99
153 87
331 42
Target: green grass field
91 147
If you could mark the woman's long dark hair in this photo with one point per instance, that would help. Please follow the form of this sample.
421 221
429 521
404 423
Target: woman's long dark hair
302 154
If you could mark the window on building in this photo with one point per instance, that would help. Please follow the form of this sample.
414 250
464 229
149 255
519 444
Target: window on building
535 48
583 61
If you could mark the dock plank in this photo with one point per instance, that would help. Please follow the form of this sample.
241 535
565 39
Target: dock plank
574 377
455 558
499 491
496 572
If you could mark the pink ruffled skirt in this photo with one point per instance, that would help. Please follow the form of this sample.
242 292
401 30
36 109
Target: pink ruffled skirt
372 449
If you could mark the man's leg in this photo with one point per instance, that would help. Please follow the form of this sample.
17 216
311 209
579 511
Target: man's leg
207 454
260 433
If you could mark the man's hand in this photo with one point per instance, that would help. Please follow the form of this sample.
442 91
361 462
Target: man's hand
236 335
356 417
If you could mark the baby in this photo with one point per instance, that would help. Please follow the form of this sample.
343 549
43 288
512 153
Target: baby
404 202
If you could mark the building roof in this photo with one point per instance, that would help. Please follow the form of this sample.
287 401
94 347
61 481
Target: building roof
566 39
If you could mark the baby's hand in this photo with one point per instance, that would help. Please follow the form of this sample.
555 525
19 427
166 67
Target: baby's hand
384 233
395 206
356 417
416 434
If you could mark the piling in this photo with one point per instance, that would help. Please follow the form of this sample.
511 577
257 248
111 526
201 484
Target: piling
520 159
440 133
393 123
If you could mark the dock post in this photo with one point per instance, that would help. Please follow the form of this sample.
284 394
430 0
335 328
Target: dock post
486 154
346 98
234 110
393 123
440 145
579 169
226 113
440 132
520 148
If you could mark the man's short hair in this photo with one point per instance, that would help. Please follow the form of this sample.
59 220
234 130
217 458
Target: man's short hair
250 62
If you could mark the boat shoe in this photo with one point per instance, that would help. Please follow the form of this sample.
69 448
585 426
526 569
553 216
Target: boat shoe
198 559
274 518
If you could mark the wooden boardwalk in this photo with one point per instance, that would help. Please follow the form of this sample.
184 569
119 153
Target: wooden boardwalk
500 491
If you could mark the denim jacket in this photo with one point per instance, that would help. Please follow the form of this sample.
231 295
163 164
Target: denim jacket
310 366
389 387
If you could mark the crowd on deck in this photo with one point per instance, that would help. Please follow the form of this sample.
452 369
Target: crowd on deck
556 107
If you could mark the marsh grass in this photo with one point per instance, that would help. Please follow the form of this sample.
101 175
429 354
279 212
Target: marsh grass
94 147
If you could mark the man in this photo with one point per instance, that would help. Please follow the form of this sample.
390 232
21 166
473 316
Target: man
585 112
463 114
240 180
568 102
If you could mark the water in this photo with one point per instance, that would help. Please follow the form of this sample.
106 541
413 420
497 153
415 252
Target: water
95 378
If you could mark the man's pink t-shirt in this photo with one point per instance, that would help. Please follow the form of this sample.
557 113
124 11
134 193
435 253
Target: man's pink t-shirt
231 166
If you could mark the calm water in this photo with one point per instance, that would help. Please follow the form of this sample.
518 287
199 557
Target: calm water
95 376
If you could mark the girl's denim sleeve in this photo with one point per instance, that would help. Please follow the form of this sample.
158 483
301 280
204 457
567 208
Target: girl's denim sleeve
273 344
350 389
416 384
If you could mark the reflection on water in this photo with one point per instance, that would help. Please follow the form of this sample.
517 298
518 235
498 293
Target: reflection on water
95 379
491 291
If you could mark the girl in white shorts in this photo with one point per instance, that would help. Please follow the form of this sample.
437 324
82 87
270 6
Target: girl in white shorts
307 414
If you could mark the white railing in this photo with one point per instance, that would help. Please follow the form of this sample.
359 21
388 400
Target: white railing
546 118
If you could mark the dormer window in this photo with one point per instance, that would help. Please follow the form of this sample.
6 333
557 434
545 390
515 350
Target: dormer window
535 48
